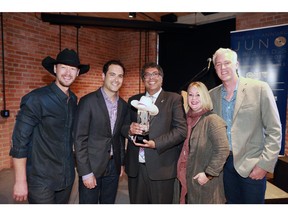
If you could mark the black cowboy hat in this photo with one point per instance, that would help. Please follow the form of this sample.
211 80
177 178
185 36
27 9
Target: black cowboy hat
67 57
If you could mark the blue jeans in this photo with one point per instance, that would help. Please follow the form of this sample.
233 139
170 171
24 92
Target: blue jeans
106 189
239 190
39 194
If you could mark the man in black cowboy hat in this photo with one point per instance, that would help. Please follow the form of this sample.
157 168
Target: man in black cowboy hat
42 137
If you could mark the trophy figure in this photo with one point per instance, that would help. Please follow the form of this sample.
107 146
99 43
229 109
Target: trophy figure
143 118
146 109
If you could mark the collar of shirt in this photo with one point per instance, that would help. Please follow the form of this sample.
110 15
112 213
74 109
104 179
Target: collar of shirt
155 96
224 92
111 107
107 99
60 94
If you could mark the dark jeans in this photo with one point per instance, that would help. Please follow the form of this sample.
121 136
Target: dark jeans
39 194
106 189
239 190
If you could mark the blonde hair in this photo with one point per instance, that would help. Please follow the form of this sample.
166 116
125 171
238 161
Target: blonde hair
203 91
232 53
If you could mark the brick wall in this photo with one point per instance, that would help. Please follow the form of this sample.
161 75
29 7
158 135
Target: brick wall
28 40
256 20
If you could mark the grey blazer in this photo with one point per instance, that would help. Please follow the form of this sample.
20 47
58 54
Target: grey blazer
168 129
256 128
93 137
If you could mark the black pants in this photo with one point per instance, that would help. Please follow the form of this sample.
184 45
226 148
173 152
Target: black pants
39 194
143 190
106 190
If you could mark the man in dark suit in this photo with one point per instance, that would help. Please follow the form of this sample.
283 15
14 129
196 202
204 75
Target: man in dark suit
99 145
151 176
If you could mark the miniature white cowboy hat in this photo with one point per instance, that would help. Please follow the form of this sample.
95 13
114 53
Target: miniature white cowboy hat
145 104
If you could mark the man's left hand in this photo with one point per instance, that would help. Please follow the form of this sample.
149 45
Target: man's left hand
257 173
147 144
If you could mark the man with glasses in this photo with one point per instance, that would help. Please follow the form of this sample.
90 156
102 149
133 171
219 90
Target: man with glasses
151 176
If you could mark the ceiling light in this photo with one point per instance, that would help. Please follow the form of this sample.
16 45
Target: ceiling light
132 15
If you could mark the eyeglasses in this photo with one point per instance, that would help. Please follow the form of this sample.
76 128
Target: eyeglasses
151 75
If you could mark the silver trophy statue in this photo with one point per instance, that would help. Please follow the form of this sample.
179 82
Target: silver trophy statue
146 109
143 118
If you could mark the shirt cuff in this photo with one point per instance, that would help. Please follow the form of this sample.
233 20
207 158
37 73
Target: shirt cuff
87 176
131 137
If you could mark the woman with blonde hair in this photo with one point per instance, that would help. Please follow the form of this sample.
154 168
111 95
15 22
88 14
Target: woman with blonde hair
205 150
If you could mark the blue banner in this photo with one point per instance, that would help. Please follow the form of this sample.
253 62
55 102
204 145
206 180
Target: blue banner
262 54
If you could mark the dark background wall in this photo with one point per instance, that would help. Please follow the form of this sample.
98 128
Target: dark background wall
182 55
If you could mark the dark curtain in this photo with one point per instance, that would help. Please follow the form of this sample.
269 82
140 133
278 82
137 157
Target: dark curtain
182 55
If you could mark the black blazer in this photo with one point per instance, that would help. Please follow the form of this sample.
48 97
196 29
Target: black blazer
168 129
93 137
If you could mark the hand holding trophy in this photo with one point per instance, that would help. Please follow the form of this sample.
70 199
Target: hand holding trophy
146 108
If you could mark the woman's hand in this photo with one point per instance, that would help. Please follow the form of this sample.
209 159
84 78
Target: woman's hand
201 178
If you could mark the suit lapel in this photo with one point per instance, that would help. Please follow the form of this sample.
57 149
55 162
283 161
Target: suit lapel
119 113
160 101
241 93
217 106
103 107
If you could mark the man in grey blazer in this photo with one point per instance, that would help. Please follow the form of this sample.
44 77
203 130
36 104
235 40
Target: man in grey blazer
99 145
151 177
253 129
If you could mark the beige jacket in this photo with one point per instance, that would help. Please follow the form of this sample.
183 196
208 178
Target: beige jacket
256 128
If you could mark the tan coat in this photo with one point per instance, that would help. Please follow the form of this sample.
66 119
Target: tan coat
256 128
208 152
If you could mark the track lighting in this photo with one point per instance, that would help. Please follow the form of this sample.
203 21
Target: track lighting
132 14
